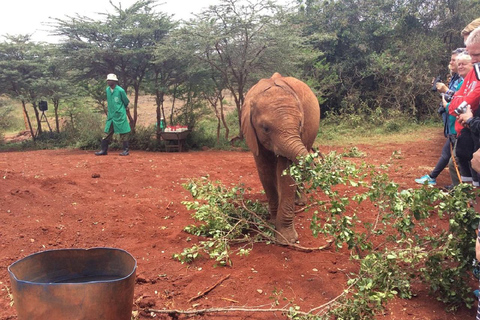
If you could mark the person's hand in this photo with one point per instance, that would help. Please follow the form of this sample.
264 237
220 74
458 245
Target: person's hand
462 118
475 162
444 103
441 87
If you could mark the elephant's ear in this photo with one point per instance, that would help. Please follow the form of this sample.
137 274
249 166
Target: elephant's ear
247 127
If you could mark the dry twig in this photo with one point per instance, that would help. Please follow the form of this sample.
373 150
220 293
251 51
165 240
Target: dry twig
284 310
201 294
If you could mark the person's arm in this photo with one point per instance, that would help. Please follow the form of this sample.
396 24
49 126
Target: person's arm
123 96
441 87
475 163
472 97
456 101
444 103
474 125
477 249
468 120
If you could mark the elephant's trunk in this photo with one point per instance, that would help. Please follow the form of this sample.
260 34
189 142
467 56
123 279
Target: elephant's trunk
295 149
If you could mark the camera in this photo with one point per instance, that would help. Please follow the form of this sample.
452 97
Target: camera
434 85
462 108
448 96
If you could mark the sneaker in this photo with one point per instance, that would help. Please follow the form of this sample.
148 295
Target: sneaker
476 271
426 178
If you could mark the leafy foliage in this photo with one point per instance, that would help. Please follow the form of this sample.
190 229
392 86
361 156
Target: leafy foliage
381 53
417 235
224 217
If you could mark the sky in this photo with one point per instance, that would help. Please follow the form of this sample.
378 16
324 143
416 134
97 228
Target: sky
29 16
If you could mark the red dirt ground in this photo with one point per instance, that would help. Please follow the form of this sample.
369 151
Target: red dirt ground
49 200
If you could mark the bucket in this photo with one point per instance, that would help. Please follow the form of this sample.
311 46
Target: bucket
74 284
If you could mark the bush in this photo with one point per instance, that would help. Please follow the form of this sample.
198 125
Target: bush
86 130
144 139
8 120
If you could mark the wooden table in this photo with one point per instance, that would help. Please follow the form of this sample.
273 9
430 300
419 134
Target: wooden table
174 140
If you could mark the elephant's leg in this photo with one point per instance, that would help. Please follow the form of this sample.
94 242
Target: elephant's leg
286 207
300 198
266 167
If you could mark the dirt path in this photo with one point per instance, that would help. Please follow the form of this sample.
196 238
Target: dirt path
50 200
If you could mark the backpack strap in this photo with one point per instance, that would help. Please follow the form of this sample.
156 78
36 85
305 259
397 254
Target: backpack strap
476 67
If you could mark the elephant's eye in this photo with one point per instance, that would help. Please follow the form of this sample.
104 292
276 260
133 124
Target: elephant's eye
265 129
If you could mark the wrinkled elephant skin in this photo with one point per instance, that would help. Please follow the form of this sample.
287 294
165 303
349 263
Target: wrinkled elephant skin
280 121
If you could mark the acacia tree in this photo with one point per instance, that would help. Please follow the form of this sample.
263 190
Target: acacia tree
55 84
166 73
122 43
242 41
22 66
215 97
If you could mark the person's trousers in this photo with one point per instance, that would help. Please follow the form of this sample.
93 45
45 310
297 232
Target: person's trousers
108 135
443 161
464 168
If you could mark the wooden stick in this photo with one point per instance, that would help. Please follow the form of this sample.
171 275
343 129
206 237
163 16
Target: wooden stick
209 289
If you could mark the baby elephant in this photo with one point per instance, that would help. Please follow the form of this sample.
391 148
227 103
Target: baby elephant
280 120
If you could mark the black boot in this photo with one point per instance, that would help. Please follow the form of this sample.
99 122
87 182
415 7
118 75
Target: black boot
125 149
104 150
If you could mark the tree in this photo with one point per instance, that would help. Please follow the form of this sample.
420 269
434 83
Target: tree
242 41
55 83
167 72
22 66
122 43
381 55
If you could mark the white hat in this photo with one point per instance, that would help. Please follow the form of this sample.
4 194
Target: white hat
112 77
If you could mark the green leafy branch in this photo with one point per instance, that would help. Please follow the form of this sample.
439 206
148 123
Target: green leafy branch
402 216
422 234
224 217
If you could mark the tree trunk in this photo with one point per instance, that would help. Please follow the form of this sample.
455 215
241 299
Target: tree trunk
25 113
37 116
133 123
56 103
25 119
224 121
173 102
238 103
159 98
72 120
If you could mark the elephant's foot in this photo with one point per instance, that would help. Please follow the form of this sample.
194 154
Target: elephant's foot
300 199
286 236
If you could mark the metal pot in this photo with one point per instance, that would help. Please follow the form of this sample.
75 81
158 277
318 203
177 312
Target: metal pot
74 284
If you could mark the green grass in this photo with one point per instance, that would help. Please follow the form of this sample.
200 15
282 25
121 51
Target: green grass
331 133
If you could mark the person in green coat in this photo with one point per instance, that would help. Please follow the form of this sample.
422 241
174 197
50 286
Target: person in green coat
117 121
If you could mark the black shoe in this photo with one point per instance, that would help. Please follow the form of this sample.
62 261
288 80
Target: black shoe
104 145
125 149
449 187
